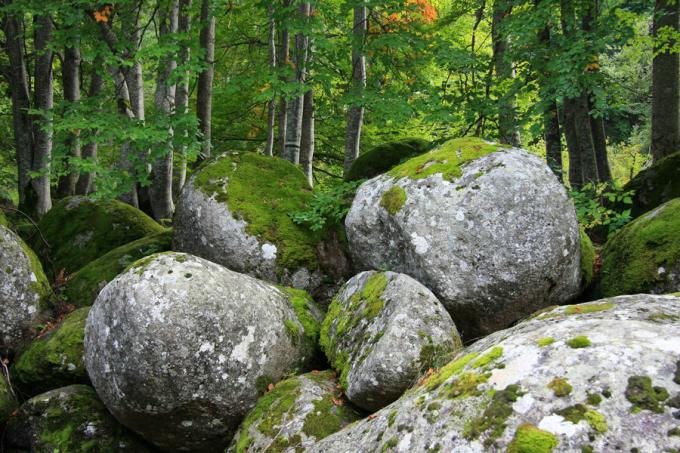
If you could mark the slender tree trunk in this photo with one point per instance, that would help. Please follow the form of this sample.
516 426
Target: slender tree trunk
271 105
584 138
205 78
505 73
86 180
284 50
575 168
295 105
182 95
162 204
132 35
127 156
307 142
43 100
665 84
355 114
604 173
70 74
553 143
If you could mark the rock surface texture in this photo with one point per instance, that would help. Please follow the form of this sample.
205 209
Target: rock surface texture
179 348
24 292
295 415
489 230
597 377
382 330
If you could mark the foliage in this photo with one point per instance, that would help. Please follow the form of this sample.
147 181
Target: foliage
592 201
328 206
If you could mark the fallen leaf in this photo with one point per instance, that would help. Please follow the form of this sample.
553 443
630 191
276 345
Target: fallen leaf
338 402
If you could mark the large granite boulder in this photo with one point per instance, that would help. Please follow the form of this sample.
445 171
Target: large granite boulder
24 292
596 377
179 348
654 186
236 211
295 414
644 256
382 331
488 229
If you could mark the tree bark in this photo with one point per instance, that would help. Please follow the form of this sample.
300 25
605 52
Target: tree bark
604 173
665 85
70 74
295 105
86 180
271 105
507 110
355 114
182 94
205 78
575 169
307 142
162 204
43 100
584 138
284 51
553 143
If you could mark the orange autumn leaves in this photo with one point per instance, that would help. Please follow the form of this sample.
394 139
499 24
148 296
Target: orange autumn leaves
415 12
103 14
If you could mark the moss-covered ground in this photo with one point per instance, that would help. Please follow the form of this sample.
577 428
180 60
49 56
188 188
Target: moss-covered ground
383 157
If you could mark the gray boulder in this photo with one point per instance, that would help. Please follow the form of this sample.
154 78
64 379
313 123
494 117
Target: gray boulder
179 348
295 414
24 292
382 330
489 230
602 376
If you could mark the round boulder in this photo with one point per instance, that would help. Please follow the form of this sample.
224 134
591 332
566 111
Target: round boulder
601 376
179 348
654 186
489 230
236 211
295 414
382 331
24 292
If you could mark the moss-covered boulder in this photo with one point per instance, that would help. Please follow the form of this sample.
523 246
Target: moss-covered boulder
69 419
24 292
382 330
655 185
294 415
644 256
179 348
236 211
601 376
487 228
82 288
383 157
588 255
79 230
8 400
54 359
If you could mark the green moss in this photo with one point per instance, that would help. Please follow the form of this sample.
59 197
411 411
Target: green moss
579 412
84 286
529 439
41 285
494 417
587 449
452 368
292 330
466 384
587 259
265 191
594 399
391 418
560 387
491 356
446 159
327 417
88 229
543 342
393 199
634 259
393 442
307 314
676 375
383 157
660 317
597 421
436 355
578 342
674 432
55 359
644 395
588 308
8 401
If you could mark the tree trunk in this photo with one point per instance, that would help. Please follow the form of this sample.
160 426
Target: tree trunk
70 74
162 204
295 105
307 142
553 143
604 173
665 85
575 169
584 138
205 78
182 95
43 100
86 180
284 50
127 157
355 114
505 73
271 105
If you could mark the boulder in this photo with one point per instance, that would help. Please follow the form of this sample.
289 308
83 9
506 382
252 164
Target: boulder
69 419
82 288
54 359
488 229
654 186
236 211
24 292
601 376
295 414
383 157
179 348
8 400
382 331
644 256
79 230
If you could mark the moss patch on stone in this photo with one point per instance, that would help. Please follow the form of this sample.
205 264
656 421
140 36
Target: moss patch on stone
580 341
654 185
8 401
494 354
587 259
84 286
264 192
383 157
446 159
640 256
644 396
306 312
79 231
393 200
530 439
543 342
560 387
452 368
492 421
579 412
41 285
588 308
55 359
